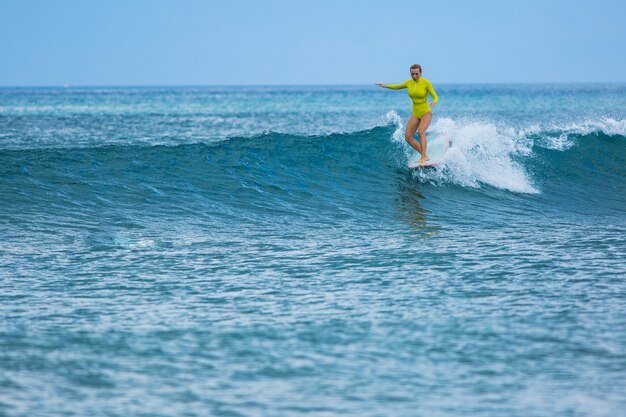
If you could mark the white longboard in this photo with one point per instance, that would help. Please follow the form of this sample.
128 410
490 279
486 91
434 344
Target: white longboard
437 148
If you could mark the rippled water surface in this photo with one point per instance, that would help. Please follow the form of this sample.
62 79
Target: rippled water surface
265 251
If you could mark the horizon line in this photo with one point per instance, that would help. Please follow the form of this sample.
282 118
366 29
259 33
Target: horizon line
68 85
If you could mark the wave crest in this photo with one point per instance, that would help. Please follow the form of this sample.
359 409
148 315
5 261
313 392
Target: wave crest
482 153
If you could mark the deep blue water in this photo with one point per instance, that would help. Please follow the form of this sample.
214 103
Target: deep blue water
265 251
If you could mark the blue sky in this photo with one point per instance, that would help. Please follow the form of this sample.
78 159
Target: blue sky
219 42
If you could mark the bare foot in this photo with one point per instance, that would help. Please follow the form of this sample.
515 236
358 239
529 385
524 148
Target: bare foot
424 159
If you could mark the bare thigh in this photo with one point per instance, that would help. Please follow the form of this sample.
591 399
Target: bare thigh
411 127
423 123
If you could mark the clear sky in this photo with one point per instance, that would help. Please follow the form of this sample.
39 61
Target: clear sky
215 42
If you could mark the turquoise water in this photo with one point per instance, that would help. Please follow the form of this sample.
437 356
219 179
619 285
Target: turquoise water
264 251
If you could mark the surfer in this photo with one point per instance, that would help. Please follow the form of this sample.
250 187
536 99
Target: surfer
422 115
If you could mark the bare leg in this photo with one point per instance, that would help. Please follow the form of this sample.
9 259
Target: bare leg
423 125
411 128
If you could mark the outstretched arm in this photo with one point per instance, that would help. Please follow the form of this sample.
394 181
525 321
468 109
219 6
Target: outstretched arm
392 86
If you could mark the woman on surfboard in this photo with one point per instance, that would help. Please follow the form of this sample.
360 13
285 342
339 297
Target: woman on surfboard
422 114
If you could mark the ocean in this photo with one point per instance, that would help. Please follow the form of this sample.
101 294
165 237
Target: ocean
265 251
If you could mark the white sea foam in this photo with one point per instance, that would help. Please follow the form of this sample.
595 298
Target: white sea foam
398 134
486 153
560 136
482 153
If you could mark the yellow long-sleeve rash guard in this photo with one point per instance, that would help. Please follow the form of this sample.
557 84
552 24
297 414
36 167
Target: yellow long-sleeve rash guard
418 91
